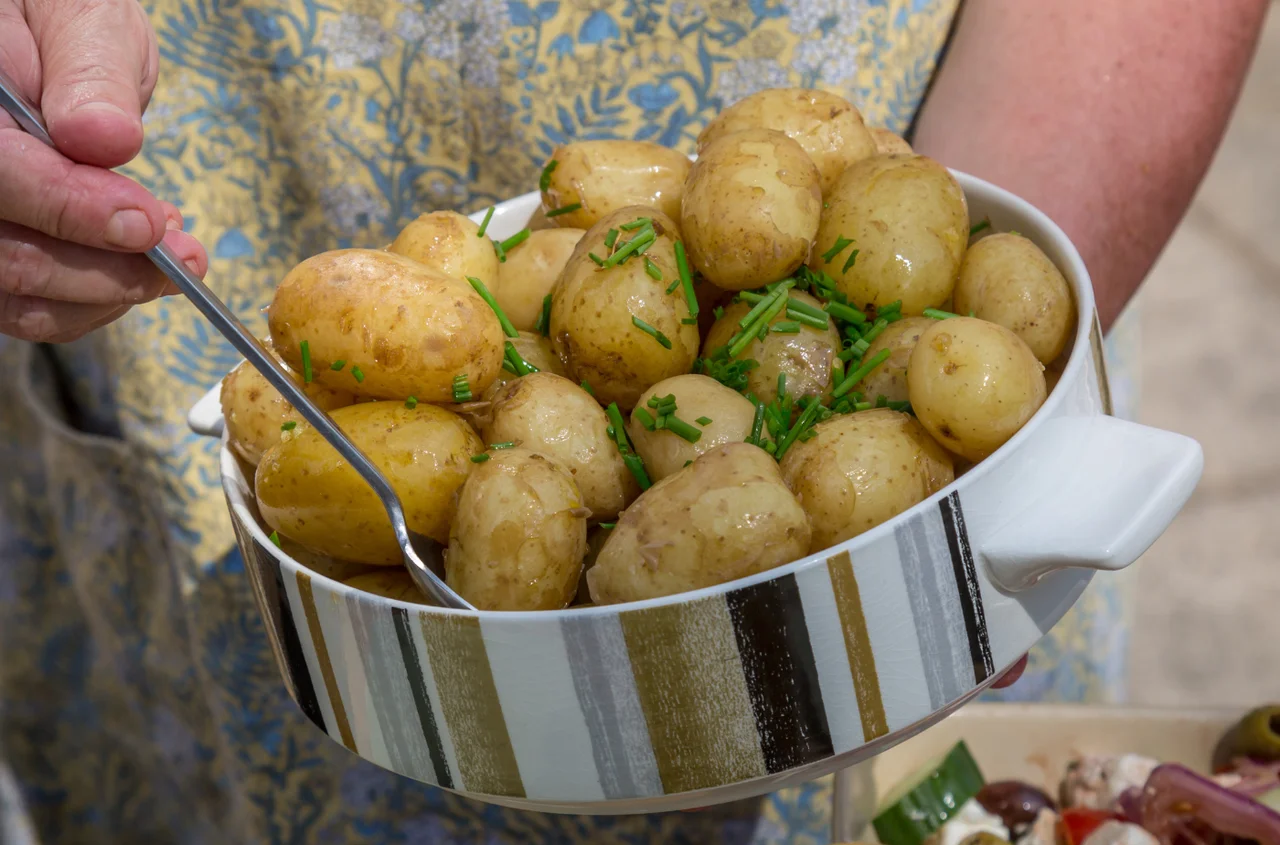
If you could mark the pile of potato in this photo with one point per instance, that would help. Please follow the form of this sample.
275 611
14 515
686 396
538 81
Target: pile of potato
680 374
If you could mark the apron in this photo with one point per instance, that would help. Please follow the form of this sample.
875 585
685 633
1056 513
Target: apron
139 700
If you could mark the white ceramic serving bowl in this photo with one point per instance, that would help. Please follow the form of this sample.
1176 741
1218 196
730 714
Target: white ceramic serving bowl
737 690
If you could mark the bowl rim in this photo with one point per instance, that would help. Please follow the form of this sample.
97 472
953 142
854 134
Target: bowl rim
1077 276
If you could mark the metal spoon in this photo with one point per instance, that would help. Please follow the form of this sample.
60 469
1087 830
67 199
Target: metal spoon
423 556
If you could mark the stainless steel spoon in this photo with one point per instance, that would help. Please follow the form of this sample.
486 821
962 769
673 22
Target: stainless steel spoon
423 556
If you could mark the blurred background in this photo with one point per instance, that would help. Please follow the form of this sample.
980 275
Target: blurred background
1208 593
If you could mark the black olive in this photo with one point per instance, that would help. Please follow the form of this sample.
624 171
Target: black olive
1016 803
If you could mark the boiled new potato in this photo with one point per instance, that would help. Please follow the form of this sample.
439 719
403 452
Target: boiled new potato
697 398
397 327
395 584
973 384
805 356
535 349
322 564
254 411
520 535
596 538
616 327
1006 279
862 469
529 273
552 415
889 143
828 127
725 516
604 176
890 378
448 243
906 217
751 209
311 495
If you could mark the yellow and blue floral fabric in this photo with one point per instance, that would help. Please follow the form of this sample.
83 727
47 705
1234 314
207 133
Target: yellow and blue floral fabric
139 701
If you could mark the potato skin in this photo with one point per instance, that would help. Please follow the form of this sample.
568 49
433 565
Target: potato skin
447 242
520 535
697 397
726 516
555 417
530 272
973 384
890 143
862 469
826 126
604 176
535 349
592 311
751 209
309 494
806 357
408 328
907 217
890 378
389 583
254 410
1006 279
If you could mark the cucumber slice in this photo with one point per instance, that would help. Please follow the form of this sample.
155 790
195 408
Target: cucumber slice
921 805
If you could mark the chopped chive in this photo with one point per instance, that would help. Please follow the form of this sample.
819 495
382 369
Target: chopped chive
782 386
859 374
585 385
872 333
275 538
972 313
337 366
717 312
636 465
837 370
290 425
306 361
853 256
645 418
597 259
882 401
638 223
651 331
461 388
609 430
519 365
686 463
545 181
703 421
978 227
517 239
661 422
507 329
686 278
564 209
799 307
802 425
763 317
648 242
500 252
786 327
840 244
480 458
689 321
937 314
611 238
608 525
411 402
813 322
894 307
655 273
903 406
762 305
641 239
484 224
357 374
619 427
543 324
506 444
681 428
862 406
845 314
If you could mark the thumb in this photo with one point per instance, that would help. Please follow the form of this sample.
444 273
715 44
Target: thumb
96 58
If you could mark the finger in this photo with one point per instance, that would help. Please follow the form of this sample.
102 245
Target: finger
1011 677
94 55
34 265
18 55
172 216
81 331
44 320
43 190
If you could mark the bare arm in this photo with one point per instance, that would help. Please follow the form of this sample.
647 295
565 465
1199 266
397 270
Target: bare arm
1104 113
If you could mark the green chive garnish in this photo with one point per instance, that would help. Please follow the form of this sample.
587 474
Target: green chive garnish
937 314
306 361
484 224
585 385
686 463
611 238
786 327
978 227
859 374
686 278
689 321
796 306
608 525
545 182
651 331
862 406
543 325
619 427
506 444
644 417
275 538
636 465
638 223
656 274
703 421
597 259
288 426
357 374
515 240
840 244
903 406
507 329
641 239
564 209
853 256
519 365
845 314
337 366
461 388
872 333
411 402
718 312
500 252
681 428
764 312
480 458
757 424
802 425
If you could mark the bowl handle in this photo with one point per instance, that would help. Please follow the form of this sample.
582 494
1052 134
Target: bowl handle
1091 492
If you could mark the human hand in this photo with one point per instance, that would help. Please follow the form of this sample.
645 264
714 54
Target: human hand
71 231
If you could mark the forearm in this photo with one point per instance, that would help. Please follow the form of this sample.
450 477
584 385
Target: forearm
1103 113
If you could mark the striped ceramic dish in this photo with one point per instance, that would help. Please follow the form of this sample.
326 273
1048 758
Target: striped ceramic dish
740 689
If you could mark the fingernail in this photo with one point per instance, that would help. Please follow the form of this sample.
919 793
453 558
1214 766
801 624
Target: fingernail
110 108
192 266
128 229
172 224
